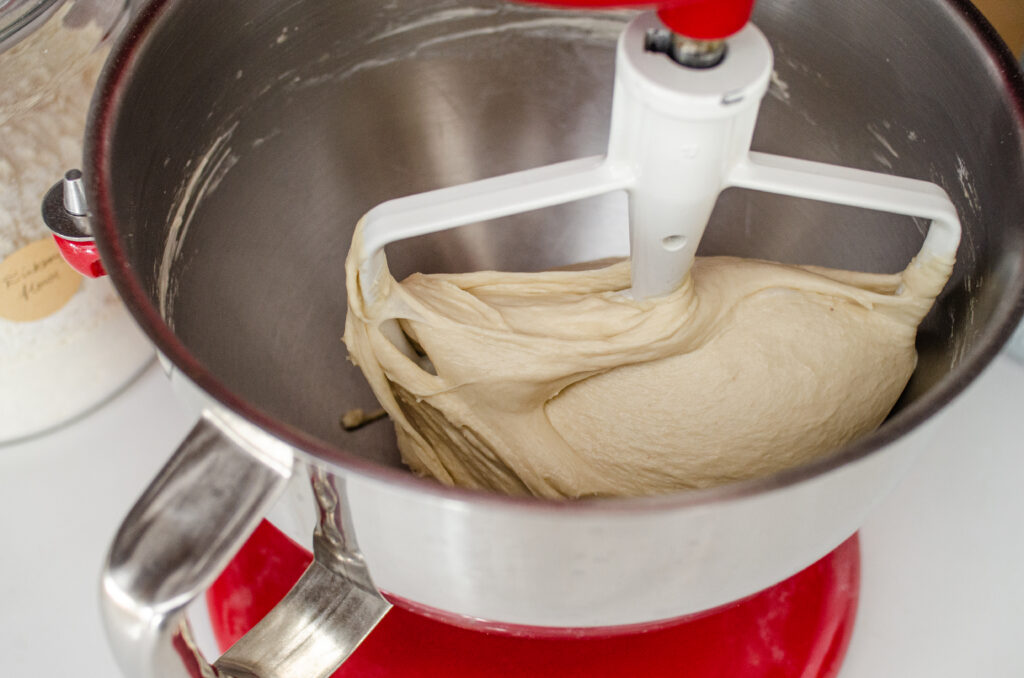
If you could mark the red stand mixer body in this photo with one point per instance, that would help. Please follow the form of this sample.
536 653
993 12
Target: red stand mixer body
799 628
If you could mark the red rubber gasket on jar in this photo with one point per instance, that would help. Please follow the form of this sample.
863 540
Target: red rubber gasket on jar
83 256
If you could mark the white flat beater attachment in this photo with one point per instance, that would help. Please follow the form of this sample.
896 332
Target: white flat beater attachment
679 137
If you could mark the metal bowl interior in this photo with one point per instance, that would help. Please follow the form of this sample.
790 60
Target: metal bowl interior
234 145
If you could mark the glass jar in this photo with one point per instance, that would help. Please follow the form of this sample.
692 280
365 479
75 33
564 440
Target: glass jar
66 343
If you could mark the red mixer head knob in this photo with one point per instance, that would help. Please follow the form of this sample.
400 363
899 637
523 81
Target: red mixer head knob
697 19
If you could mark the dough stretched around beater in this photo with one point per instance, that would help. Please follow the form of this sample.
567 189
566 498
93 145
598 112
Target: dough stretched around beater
557 385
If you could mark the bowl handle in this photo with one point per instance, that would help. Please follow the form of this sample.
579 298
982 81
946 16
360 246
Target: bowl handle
183 531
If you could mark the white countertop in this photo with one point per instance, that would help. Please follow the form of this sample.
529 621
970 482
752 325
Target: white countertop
943 556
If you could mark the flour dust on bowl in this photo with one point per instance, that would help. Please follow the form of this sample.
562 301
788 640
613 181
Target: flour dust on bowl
262 151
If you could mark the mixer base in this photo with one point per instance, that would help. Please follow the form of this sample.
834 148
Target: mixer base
799 627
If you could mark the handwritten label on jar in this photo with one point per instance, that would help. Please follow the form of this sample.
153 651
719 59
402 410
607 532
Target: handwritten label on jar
35 282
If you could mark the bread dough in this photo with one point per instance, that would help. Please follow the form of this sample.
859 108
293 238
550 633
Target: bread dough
557 384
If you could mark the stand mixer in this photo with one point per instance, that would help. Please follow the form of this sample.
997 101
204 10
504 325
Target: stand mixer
194 215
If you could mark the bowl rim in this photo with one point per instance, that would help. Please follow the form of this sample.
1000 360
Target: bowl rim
102 117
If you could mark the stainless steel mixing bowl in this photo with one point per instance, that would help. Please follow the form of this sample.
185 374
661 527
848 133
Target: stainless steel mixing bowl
231 149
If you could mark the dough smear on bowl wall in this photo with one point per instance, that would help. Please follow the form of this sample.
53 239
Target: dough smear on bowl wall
558 384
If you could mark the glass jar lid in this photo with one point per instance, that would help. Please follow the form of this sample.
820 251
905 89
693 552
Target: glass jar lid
18 18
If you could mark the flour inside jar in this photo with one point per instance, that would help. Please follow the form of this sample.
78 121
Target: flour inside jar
67 343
